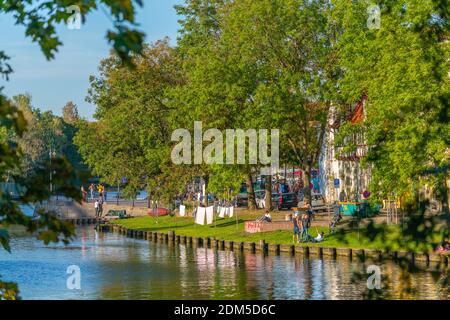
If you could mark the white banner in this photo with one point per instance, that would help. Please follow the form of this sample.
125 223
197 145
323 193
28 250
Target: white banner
200 217
221 212
209 215
182 210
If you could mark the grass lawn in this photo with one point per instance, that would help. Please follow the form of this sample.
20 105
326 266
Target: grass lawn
227 229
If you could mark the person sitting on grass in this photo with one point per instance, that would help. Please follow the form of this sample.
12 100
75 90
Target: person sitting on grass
319 237
267 216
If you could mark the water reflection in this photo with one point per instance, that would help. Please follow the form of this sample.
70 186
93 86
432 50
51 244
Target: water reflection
114 267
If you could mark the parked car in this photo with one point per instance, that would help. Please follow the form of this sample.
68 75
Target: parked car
286 200
242 199
317 202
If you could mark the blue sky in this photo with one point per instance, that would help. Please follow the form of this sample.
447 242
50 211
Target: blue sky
53 83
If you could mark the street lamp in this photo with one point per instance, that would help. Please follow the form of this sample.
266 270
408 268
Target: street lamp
52 154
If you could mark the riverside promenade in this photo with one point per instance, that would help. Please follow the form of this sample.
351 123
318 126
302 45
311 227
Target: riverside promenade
68 209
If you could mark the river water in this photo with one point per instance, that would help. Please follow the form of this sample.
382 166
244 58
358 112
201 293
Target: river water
115 267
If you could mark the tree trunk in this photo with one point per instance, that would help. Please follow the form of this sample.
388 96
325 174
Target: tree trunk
307 183
268 201
250 192
444 195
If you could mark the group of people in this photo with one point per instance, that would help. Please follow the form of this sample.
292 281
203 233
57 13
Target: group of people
98 207
100 189
302 223
98 204
99 201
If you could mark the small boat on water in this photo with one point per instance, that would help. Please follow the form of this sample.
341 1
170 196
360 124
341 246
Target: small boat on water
158 212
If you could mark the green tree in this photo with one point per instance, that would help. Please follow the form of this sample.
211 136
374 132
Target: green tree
131 137
45 133
219 89
257 65
291 56
403 69
71 119
70 113
39 19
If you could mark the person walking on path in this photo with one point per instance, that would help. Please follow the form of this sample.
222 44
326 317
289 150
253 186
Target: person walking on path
100 188
83 194
336 217
91 189
100 207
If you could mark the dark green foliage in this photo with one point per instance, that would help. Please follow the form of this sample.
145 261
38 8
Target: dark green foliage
24 153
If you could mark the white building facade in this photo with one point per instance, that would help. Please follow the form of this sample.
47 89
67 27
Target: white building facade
342 177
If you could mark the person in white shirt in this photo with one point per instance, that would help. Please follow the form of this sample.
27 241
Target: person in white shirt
96 208
319 237
267 216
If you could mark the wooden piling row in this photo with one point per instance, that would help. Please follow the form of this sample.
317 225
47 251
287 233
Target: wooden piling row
229 245
85 221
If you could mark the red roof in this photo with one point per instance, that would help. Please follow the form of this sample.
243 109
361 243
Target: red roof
358 113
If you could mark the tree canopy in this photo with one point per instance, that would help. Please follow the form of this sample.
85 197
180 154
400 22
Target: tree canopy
402 67
39 19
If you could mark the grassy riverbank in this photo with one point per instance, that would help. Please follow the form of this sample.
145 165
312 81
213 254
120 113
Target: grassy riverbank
228 229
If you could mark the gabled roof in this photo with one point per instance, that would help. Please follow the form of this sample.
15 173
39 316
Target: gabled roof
358 113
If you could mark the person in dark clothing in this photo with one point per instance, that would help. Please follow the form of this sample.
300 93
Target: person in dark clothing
100 206
342 196
336 216
305 220
336 208
445 244
295 221
310 214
